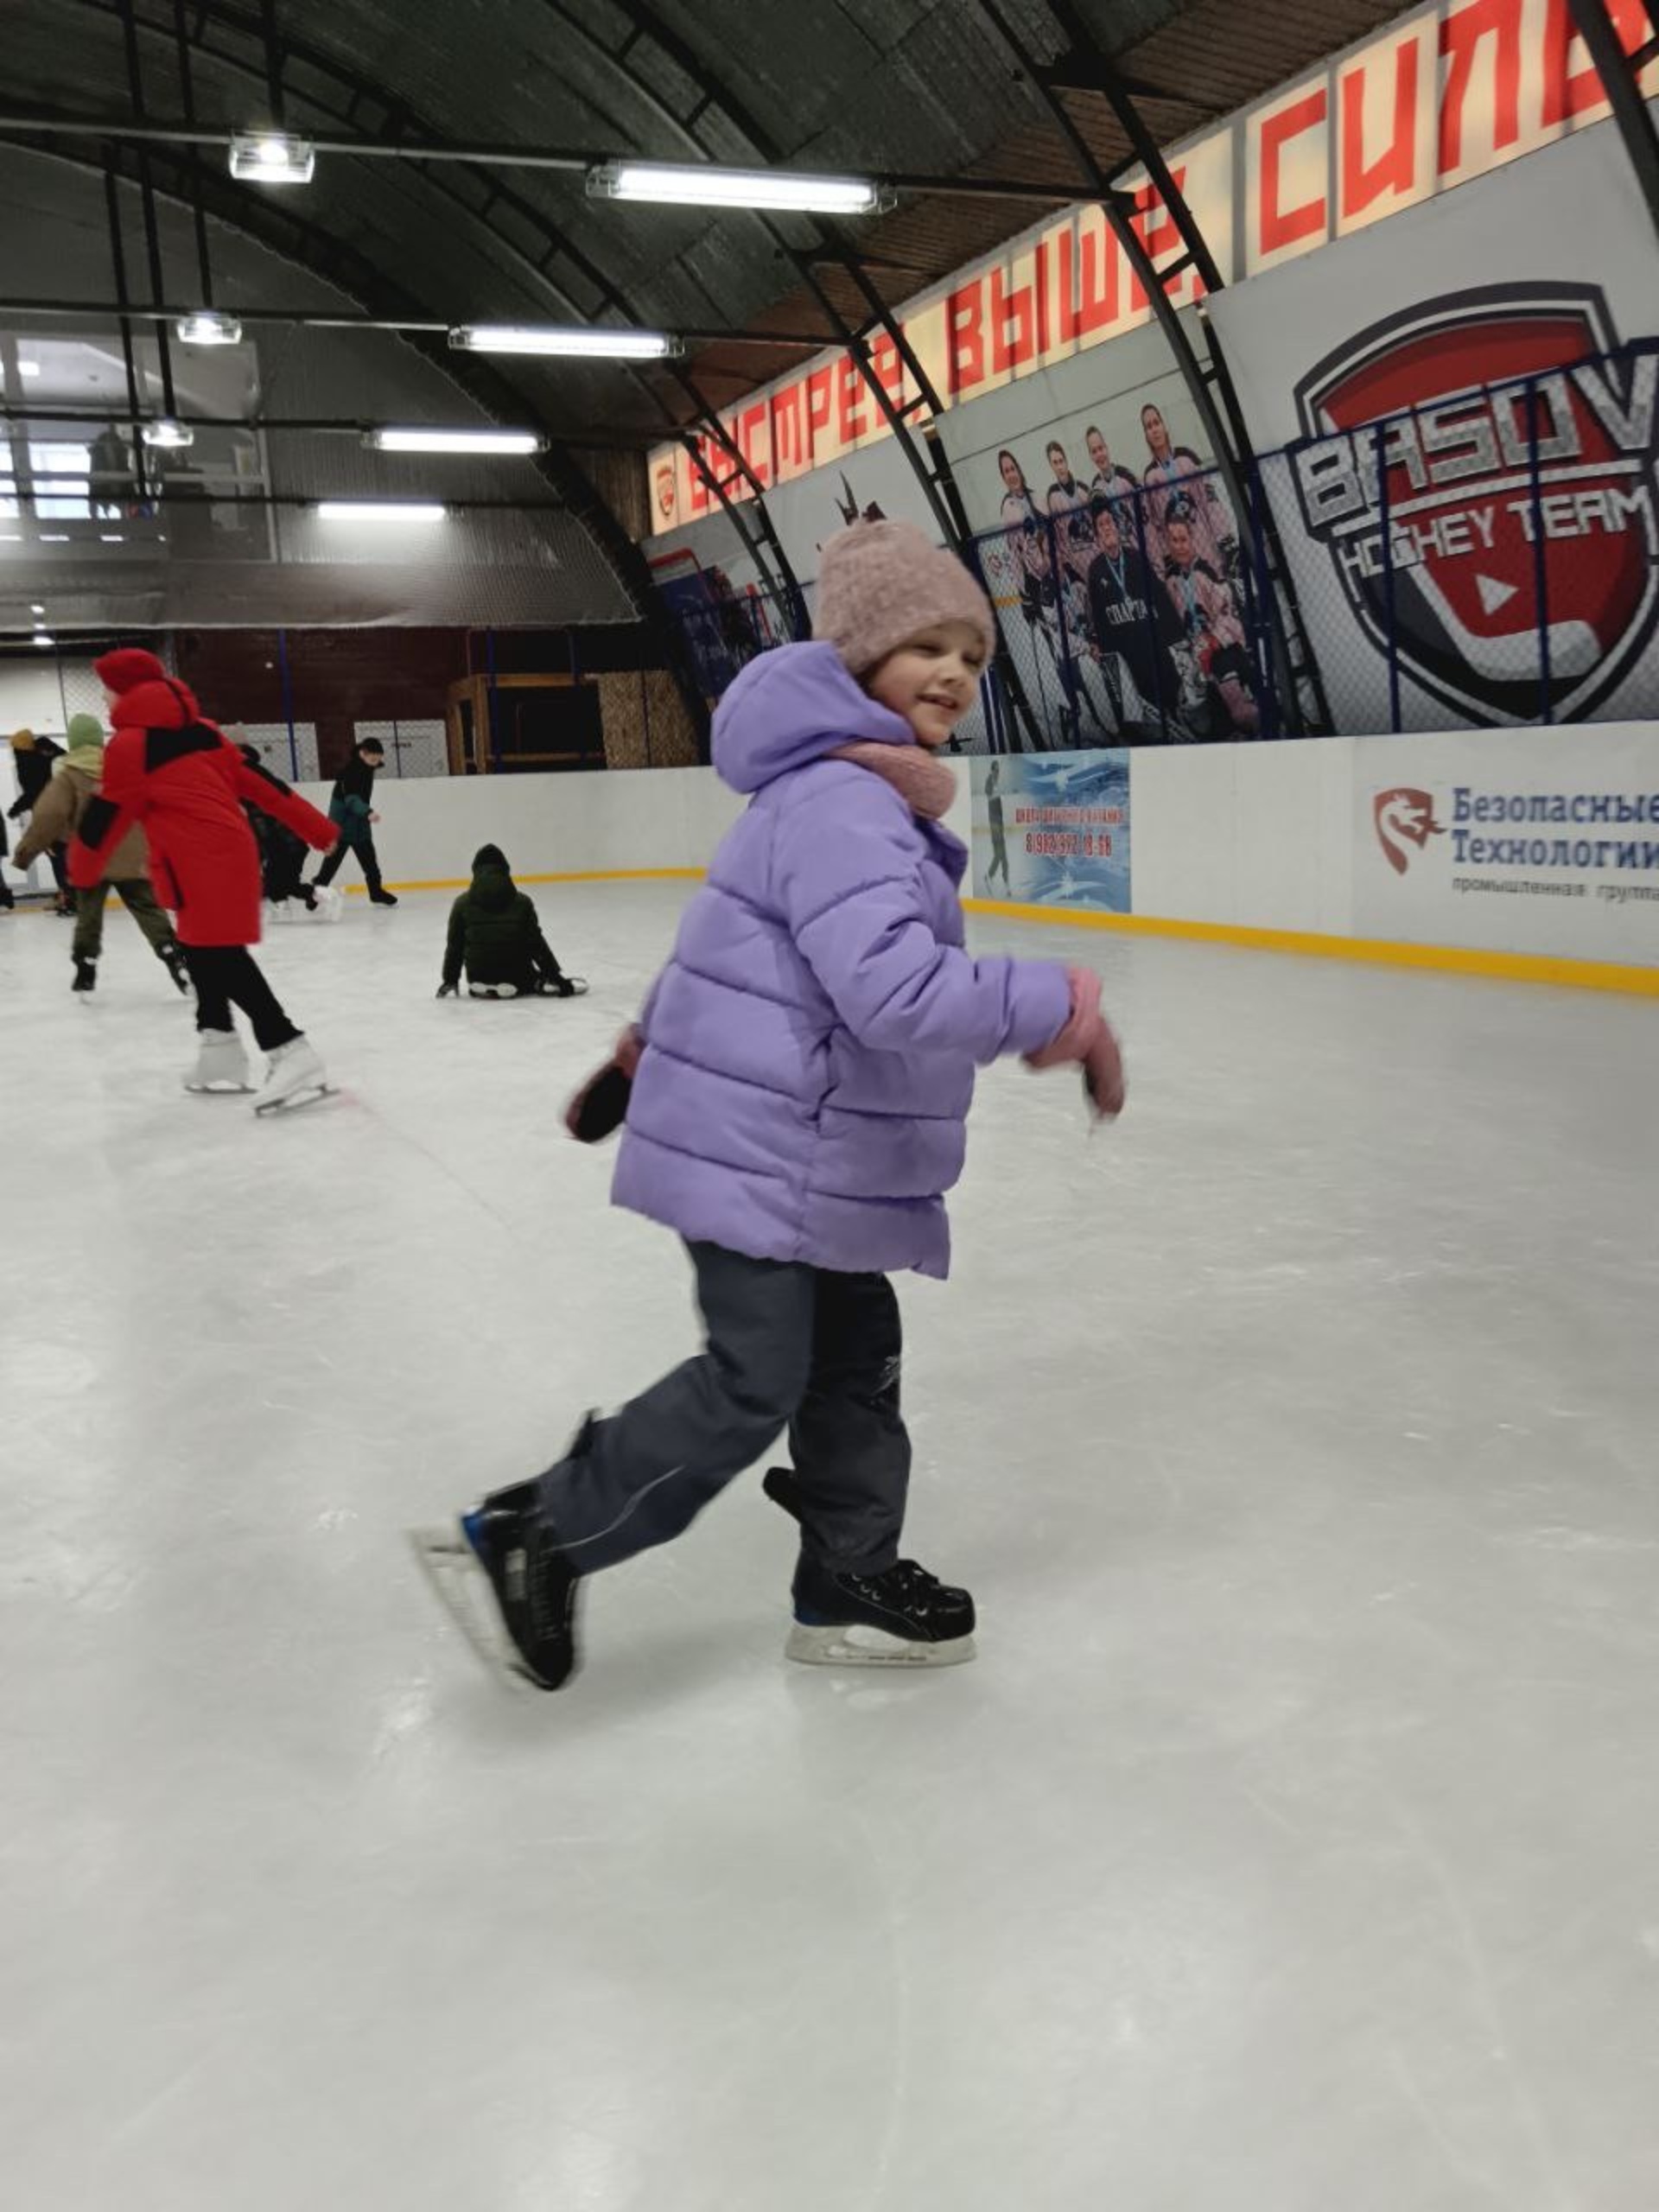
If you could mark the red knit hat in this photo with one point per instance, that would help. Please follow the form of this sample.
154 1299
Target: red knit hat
126 668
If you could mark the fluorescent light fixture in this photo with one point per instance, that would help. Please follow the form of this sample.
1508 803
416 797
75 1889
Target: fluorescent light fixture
590 343
113 536
775 191
44 642
207 327
379 510
170 436
54 538
388 440
36 609
29 368
270 157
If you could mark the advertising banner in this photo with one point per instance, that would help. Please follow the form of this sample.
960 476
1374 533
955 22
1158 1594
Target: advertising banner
1054 831
1454 90
1464 555
1519 840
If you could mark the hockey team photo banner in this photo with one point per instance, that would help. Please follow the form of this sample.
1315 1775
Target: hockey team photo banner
1447 94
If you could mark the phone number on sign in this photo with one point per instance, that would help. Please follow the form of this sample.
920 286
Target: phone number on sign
1058 844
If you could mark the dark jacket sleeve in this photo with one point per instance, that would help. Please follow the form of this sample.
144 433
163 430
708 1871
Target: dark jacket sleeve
258 787
541 951
454 951
53 820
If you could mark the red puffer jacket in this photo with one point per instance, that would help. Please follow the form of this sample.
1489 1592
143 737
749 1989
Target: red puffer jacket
185 781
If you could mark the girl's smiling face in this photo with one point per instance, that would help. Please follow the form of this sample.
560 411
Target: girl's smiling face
931 679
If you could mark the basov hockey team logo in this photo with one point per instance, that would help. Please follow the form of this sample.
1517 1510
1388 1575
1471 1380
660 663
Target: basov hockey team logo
1490 553
666 492
1404 817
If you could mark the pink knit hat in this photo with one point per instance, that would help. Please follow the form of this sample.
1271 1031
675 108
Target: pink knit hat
883 582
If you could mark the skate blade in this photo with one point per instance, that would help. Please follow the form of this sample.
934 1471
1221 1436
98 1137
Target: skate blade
858 1646
219 1090
312 1095
458 1582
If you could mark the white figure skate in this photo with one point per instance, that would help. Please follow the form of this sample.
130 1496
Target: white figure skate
221 1064
295 1078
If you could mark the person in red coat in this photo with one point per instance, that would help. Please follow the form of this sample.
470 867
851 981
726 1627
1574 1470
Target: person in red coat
182 779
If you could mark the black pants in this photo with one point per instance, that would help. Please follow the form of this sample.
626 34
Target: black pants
360 842
226 975
526 973
788 1345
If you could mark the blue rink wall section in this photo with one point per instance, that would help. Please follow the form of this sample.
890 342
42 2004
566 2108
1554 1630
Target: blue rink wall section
1052 830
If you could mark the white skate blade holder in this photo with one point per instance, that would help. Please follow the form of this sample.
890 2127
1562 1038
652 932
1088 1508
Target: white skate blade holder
856 1644
309 1094
458 1582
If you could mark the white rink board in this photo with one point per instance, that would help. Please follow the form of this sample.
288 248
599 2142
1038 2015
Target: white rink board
1539 879
1286 836
430 827
1274 837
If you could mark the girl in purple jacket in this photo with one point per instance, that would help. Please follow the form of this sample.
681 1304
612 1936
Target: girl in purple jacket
801 1077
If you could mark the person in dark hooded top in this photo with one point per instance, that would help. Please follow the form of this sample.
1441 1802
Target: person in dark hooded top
496 935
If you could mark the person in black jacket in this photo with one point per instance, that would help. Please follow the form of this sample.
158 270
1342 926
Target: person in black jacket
34 757
496 935
281 855
1134 624
352 810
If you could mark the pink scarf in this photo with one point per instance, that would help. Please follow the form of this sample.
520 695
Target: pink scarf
926 785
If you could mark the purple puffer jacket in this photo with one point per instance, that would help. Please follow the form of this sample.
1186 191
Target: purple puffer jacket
811 1048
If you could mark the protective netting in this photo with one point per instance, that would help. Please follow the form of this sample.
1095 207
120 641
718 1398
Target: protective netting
230 529
1488 559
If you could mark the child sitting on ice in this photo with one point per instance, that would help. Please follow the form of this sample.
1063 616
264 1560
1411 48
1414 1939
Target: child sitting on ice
495 934
800 1083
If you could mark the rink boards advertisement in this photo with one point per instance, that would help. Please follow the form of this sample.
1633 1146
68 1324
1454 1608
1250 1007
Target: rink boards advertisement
1467 407
1516 840
1053 829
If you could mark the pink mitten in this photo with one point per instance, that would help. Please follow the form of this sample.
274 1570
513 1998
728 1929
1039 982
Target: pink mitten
1087 1040
1103 1075
1072 1043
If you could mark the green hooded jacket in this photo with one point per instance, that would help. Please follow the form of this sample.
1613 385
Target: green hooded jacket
494 932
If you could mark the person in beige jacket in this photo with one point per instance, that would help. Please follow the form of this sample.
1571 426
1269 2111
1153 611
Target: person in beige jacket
57 815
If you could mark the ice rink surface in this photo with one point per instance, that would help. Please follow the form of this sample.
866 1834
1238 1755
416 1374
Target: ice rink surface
1290 1848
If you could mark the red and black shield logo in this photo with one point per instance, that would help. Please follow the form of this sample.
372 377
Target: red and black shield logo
1481 470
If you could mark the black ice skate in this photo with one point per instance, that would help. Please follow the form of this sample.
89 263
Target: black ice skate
381 897
86 975
533 1637
903 1618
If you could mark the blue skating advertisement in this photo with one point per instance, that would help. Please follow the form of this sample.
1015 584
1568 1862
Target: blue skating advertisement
1052 830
